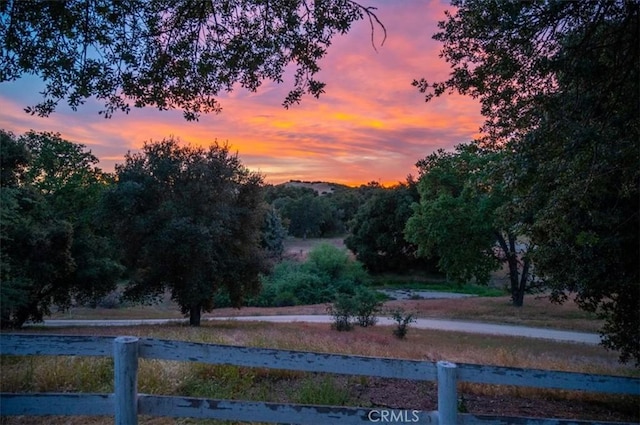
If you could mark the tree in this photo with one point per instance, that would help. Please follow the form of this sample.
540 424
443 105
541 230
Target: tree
558 85
189 221
377 231
582 169
53 249
68 177
167 54
509 54
310 215
464 216
273 234
346 201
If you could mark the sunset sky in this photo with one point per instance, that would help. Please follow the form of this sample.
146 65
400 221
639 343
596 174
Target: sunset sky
370 125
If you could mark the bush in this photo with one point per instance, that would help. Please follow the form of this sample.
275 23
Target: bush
327 273
367 306
335 265
328 260
291 284
342 311
221 298
364 305
284 299
403 320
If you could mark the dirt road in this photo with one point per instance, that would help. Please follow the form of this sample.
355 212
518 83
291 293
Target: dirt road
436 324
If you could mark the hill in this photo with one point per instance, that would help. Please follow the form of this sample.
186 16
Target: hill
322 188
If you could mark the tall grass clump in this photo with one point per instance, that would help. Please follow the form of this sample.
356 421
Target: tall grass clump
323 392
56 373
217 381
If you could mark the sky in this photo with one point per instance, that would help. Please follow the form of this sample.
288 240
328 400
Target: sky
371 124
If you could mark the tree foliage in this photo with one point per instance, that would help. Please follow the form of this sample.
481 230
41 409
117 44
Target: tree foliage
327 272
377 231
307 214
167 54
509 54
54 251
189 220
582 168
273 234
465 218
558 84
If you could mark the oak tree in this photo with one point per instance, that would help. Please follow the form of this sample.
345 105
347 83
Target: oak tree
167 54
377 231
558 83
465 218
189 220
54 250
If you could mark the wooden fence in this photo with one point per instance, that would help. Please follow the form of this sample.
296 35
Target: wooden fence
125 404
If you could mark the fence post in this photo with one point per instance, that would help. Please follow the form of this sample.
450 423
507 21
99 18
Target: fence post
447 393
125 355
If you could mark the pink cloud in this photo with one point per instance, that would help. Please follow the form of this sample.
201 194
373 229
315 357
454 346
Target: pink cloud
371 124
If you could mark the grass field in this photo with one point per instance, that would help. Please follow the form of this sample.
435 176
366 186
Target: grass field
70 374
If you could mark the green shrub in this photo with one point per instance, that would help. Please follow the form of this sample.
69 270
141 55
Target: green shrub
367 307
309 288
328 272
221 298
327 260
364 306
342 310
284 299
402 320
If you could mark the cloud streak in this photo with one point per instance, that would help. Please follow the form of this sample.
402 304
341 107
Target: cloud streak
371 124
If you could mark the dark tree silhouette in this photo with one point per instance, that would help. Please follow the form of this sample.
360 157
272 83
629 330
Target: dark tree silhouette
189 220
168 54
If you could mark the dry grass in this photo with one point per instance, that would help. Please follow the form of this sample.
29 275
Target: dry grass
537 311
162 377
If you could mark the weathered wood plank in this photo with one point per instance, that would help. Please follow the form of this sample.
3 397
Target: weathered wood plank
64 404
55 345
103 404
447 393
468 419
187 407
125 379
284 359
536 378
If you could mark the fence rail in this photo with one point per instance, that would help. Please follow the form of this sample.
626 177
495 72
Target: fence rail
125 403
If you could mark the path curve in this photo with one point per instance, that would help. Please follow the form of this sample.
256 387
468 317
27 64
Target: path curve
436 324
